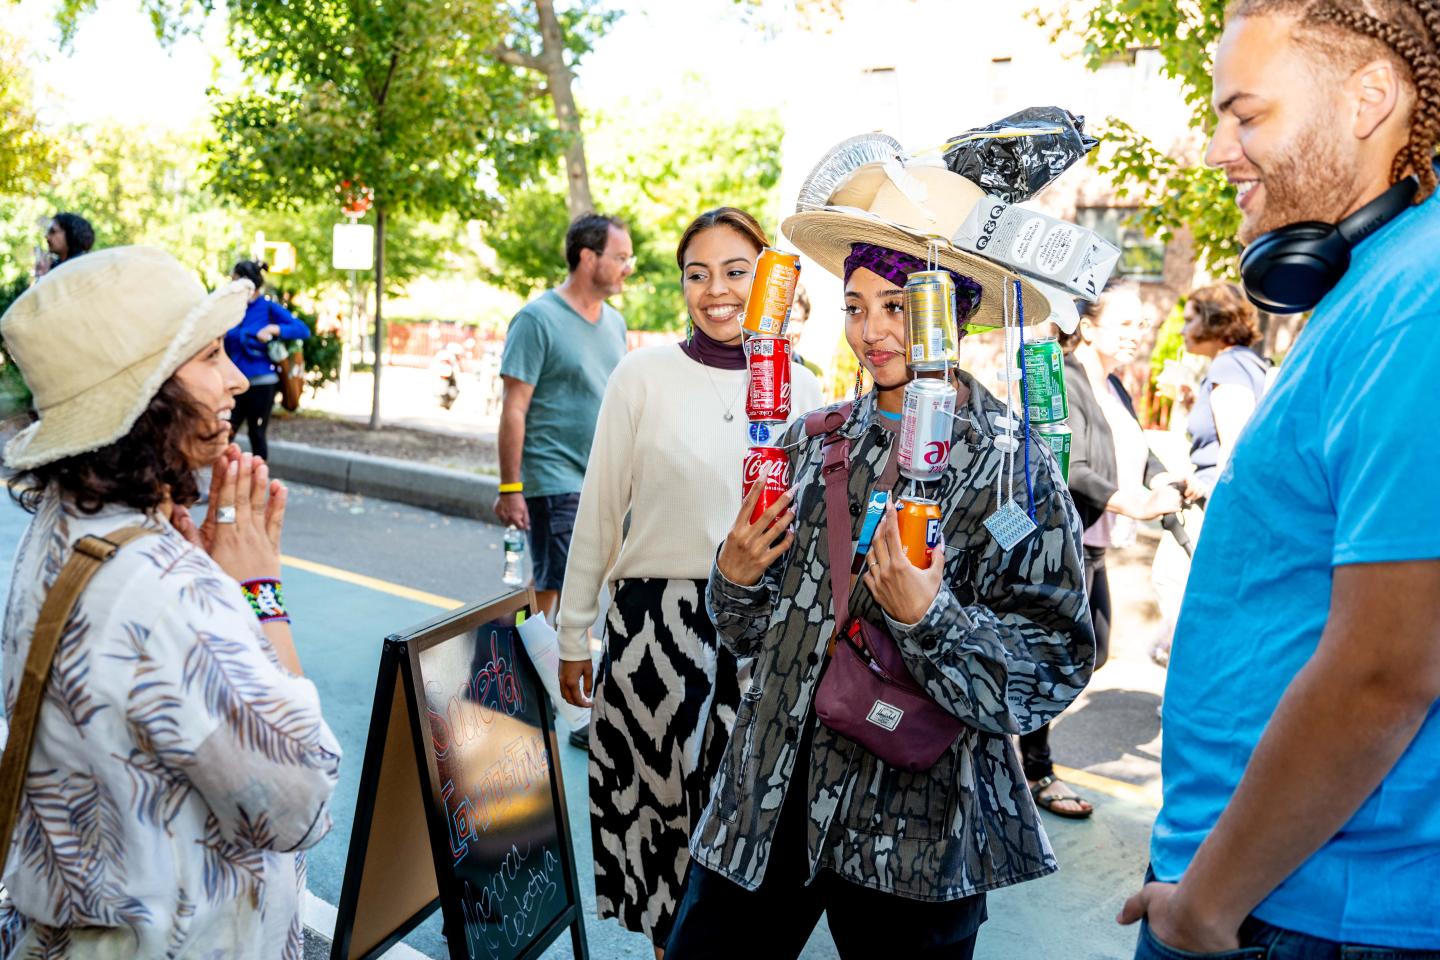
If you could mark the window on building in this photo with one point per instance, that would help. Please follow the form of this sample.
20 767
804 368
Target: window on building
880 97
1141 258
999 81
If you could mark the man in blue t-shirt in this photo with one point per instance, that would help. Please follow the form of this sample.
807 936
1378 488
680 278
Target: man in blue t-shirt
559 352
1302 734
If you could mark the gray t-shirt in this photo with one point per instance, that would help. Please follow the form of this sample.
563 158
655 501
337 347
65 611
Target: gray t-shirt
568 360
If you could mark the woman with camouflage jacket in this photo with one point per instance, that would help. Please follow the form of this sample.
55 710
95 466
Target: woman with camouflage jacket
802 820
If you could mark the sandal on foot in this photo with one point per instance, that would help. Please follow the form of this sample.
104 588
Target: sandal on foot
1048 803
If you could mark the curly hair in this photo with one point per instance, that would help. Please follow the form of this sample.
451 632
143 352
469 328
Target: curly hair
1406 32
1224 314
151 463
732 217
79 235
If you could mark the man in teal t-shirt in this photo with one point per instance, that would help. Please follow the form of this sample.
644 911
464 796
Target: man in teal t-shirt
559 352
1301 754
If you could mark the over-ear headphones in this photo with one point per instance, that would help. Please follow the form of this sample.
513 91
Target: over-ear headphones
1290 270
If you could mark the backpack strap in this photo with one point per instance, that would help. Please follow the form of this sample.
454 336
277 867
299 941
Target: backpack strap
835 471
827 421
89 555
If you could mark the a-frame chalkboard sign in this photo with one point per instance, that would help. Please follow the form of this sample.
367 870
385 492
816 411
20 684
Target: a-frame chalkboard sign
461 804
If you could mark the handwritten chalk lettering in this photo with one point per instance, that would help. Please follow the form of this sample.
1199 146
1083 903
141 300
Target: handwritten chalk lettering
465 715
524 766
509 909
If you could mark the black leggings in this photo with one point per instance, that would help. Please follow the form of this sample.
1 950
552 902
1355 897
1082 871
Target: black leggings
1035 747
252 408
719 920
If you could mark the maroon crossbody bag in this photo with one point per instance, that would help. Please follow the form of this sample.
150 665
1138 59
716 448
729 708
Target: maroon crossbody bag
866 693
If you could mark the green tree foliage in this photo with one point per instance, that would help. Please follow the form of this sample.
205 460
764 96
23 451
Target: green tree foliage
170 18
1174 193
398 95
548 42
134 186
27 154
657 167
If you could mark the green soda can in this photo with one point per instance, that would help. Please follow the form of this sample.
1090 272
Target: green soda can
1056 436
1044 365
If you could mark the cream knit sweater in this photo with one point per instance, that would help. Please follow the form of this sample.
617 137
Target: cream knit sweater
663 453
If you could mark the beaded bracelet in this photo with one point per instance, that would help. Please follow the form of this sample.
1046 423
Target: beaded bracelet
266 599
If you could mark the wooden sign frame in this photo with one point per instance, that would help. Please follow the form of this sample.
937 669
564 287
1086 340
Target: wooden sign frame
398 790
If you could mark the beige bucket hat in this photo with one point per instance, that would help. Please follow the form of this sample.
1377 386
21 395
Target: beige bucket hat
903 204
97 337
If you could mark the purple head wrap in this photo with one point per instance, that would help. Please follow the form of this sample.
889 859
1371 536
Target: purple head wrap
897 267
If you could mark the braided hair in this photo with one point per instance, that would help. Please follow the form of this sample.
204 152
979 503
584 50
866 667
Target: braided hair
1407 31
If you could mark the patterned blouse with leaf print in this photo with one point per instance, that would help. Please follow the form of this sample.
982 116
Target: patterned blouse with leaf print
178 769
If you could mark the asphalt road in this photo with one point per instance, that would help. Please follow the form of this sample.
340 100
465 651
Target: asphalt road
362 569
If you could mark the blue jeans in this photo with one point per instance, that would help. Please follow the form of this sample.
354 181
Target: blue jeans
1262 941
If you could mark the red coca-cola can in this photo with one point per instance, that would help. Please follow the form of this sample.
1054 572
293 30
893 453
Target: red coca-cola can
767 398
757 461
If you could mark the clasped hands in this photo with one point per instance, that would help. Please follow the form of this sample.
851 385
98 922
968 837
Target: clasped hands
247 548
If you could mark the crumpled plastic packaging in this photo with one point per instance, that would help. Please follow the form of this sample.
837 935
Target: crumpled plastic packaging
1017 157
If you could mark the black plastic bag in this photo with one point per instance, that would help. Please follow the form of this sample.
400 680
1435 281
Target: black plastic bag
1015 158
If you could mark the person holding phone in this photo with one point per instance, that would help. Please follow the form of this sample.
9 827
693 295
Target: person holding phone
67 236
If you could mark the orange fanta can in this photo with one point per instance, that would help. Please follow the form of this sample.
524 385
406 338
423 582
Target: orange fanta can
919 528
772 292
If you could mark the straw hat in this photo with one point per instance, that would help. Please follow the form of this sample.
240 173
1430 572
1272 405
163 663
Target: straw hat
97 337
901 203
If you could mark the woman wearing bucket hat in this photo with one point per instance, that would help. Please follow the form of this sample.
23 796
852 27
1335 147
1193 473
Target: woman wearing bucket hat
803 820
175 760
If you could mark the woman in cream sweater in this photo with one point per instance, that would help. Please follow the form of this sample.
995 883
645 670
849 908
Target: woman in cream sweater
669 445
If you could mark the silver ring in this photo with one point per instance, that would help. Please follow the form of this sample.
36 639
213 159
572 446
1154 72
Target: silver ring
874 564
225 515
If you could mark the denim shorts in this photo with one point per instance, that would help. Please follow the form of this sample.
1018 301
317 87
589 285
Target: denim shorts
552 521
1263 941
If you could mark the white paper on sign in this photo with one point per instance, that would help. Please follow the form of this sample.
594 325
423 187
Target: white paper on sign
1009 524
543 644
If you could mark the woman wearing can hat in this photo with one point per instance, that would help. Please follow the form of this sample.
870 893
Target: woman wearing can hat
802 820
178 759
669 444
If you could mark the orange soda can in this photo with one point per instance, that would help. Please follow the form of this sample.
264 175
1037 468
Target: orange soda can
772 292
919 528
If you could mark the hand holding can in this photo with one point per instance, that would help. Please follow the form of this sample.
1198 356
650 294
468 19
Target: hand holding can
755 541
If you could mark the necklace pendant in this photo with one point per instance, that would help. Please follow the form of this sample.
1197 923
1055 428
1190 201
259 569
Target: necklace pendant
729 417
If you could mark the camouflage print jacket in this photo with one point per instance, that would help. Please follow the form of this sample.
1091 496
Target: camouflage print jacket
1006 645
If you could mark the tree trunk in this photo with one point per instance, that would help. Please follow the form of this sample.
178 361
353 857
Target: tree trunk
379 313
558 78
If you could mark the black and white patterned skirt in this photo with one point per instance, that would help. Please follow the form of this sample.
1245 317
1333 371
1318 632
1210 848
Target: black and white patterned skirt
665 700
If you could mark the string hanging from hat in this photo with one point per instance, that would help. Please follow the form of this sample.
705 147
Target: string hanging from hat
1007 449
1025 397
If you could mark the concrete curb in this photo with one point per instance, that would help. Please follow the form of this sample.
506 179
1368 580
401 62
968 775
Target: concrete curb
454 492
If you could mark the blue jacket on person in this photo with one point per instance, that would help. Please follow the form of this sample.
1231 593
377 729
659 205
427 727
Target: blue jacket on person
247 350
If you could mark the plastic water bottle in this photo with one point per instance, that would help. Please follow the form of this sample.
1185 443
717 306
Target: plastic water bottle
514 540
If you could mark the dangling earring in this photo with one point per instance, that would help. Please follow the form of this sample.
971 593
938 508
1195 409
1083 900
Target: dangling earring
689 328
859 382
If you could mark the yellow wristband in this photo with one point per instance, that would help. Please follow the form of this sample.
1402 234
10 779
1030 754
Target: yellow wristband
512 487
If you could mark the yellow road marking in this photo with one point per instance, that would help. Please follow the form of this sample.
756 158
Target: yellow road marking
1146 796
372 583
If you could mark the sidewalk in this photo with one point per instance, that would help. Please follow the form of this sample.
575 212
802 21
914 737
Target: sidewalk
410 397
424 455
